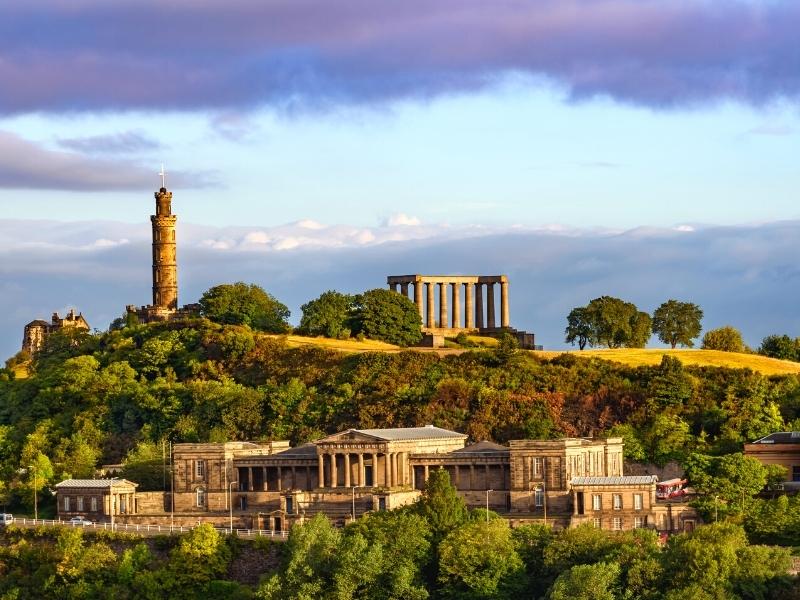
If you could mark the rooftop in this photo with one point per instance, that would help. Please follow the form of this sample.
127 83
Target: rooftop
94 483
484 447
780 437
429 432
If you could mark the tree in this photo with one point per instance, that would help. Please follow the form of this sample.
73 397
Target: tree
677 322
733 478
579 327
727 339
641 329
388 316
587 582
328 315
441 505
780 346
144 464
243 304
478 560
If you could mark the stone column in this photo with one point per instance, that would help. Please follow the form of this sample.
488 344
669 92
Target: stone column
431 306
574 502
320 471
375 469
361 479
469 314
479 305
457 477
387 467
250 479
280 479
504 318
490 305
443 305
404 289
418 299
456 306
393 287
264 479
427 472
472 477
334 474
347 470
294 477
394 469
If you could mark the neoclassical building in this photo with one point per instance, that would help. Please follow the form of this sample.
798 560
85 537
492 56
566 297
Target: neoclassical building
270 485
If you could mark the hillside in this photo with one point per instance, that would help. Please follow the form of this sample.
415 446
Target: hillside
636 357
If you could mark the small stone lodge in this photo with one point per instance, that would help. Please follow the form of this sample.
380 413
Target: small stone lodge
269 485
779 448
95 499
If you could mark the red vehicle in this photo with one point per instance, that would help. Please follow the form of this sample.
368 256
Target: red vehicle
671 488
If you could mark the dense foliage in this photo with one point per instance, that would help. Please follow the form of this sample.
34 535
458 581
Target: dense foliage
243 304
610 322
387 316
677 322
329 315
781 346
727 338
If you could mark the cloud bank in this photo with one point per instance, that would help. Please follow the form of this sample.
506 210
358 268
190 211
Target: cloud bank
746 276
84 55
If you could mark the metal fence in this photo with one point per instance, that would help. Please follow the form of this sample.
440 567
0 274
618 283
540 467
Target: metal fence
144 529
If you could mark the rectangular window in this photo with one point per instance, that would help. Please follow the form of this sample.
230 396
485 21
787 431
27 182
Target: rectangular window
616 524
200 469
597 502
638 522
637 502
537 466
598 524
94 504
80 503
66 503
795 472
201 497
539 497
617 501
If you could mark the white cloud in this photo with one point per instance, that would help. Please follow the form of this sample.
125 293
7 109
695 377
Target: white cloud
402 219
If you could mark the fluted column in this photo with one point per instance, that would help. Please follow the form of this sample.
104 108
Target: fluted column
418 299
490 305
361 480
387 467
469 314
347 470
375 480
443 305
456 320
431 306
404 289
479 305
334 474
504 318
394 469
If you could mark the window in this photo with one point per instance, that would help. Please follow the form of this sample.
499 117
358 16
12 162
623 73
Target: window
537 466
616 524
795 472
637 502
597 502
201 497
80 503
598 524
617 501
638 522
200 469
66 503
539 497
93 504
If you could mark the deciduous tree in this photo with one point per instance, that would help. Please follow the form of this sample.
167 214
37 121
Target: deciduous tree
327 315
243 304
727 339
677 322
387 316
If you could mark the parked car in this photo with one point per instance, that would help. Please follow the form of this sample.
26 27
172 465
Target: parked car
6 519
80 521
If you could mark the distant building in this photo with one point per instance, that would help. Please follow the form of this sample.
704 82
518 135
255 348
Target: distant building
95 499
165 268
36 332
780 448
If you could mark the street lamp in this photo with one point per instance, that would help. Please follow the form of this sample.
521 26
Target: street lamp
230 500
35 500
487 504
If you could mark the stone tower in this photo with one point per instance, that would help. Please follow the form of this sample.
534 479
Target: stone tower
165 262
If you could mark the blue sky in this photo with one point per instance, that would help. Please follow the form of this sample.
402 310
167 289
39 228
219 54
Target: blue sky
304 136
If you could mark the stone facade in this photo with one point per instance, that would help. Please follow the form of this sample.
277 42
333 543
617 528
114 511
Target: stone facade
438 299
780 448
95 499
165 268
37 331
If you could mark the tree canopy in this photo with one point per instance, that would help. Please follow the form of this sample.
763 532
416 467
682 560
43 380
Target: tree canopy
385 315
329 315
245 304
727 338
608 321
677 322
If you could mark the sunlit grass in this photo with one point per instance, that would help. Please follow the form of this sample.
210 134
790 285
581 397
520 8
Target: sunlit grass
704 358
350 345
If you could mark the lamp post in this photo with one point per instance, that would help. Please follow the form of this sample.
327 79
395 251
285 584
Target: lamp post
487 504
230 501
35 499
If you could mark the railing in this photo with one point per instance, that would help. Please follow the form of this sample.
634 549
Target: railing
146 529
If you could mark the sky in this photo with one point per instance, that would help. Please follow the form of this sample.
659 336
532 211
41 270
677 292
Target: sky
633 148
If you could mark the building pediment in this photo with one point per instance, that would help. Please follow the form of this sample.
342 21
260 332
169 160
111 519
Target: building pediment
351 435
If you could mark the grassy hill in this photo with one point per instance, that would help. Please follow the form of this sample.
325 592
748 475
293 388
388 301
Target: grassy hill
704 358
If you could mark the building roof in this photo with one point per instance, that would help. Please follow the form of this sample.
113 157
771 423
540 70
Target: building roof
780 437
484 447
39 323
95 483
624 480
302 451
429 432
